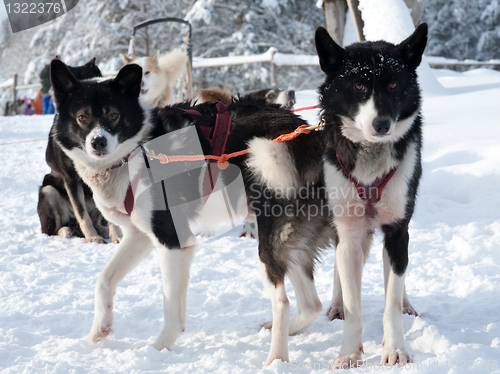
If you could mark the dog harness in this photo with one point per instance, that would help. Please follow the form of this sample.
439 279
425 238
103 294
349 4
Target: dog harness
371 193
215 129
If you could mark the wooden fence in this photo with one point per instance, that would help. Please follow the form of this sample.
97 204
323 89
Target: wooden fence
276 61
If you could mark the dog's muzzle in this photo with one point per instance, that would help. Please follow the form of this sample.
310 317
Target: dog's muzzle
382 125
99 144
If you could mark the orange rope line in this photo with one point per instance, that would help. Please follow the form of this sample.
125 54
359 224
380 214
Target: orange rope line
222 160
24 141
306 108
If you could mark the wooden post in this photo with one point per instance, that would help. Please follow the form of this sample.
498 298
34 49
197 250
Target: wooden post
335 18
273 70
190 80
14 89
417 8
356 19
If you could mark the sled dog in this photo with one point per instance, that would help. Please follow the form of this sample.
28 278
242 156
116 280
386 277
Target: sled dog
65 204
160 75
373 133
271 95
268 95
107 130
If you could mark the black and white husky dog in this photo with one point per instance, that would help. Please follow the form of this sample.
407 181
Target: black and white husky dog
108 132
372 164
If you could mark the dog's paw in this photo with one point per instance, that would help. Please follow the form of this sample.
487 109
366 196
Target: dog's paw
96 239
102 231
139 346
395 356
249 230
207 233
65 232
115 239
408 309
99 333
350 361
267 325
282 358
115 233
335 312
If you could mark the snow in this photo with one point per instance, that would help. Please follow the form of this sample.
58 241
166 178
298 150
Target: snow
453 278
390 20
398 24
200 11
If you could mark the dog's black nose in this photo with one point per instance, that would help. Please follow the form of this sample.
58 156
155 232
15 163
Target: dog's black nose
99 143
382 125
291 94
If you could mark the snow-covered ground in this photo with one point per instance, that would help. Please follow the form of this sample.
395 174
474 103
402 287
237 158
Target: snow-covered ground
47 283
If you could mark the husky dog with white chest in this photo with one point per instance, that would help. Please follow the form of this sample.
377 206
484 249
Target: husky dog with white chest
105 128
372 164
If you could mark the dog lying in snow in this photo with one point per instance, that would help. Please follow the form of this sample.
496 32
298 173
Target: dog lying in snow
65 203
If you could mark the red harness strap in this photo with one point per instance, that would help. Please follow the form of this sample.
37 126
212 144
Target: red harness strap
216 135
370 193
128 203
217 138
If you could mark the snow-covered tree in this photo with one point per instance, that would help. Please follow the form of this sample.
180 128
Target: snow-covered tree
463 29
102 28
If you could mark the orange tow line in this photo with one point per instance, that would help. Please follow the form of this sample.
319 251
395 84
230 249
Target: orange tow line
222 160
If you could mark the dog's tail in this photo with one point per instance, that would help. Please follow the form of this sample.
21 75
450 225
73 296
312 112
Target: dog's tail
173 64
214 94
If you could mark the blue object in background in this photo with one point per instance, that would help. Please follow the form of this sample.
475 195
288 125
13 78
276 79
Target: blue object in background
47 105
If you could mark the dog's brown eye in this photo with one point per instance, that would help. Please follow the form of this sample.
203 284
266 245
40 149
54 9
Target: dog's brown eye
113 116
360 87
82 118
393 85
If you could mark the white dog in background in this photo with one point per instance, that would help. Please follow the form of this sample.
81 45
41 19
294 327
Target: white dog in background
159 75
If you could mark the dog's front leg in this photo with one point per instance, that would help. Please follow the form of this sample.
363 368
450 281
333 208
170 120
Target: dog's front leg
134 247
396 246
350 258
76 196
407 307
174 264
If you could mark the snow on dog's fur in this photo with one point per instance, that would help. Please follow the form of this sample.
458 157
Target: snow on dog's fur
160 75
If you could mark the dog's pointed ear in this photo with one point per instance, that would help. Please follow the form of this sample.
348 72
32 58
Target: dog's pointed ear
91 63
156 57
413 47
330 53
126 59
129 79
62 79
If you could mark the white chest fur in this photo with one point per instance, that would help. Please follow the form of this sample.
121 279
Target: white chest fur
345 202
